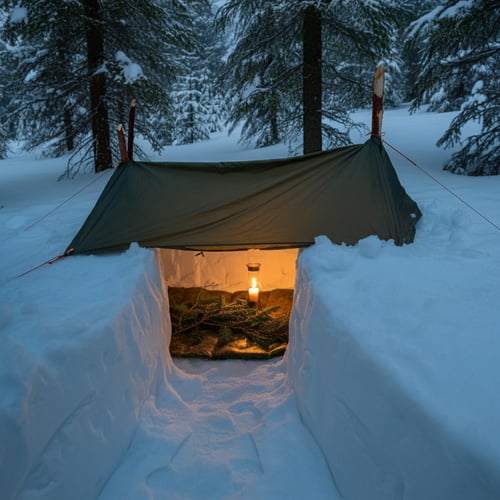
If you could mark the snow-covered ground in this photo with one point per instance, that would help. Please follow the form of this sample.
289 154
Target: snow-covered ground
389 382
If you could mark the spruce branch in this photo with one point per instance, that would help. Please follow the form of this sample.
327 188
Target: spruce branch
208 312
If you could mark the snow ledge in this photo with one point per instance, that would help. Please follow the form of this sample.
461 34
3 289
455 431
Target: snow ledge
74 405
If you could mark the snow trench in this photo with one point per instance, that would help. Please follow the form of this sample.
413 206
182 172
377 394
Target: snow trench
73 409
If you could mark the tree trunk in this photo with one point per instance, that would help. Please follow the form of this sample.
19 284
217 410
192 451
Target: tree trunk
311 77
97 84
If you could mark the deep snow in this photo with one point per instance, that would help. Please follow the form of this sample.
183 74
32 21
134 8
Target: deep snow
416 327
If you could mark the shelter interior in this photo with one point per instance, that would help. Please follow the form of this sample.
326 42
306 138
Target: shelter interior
222 308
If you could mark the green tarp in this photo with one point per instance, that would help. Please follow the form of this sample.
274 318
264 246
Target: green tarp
346 194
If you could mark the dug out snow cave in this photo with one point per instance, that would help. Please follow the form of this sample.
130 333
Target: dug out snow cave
229 304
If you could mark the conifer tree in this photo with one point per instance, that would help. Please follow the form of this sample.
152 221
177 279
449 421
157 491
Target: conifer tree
45 62
410 53
191 109
459 46
198 107
76 66
266 74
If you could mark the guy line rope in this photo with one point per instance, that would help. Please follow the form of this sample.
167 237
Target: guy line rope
489 221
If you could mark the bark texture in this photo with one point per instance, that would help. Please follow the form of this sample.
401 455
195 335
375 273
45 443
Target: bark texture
312 85
97 86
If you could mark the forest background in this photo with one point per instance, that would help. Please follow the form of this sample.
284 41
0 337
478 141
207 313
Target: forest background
277 71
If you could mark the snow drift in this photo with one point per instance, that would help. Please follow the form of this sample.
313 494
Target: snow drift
389 426
75 393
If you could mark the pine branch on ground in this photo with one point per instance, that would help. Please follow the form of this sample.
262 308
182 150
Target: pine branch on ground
213 313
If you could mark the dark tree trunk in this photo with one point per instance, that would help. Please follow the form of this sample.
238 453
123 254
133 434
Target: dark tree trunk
97 83
311 76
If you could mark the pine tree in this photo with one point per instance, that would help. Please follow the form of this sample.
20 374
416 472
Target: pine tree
190 109
197 104
149 43
217 107
459 65
75 71
258 75
43 58
264 70
409 53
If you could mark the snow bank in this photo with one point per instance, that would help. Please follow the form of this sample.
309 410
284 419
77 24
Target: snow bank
408 416
77 373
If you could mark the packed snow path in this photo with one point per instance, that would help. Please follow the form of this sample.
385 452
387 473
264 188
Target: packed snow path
222 429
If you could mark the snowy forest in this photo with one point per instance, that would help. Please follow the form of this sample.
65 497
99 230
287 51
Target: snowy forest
276 71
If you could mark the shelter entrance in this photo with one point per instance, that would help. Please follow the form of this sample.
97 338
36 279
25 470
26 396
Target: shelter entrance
229 304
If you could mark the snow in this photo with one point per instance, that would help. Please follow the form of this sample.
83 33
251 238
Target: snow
18 15
476 95
131 72
227 271
388 388
453 10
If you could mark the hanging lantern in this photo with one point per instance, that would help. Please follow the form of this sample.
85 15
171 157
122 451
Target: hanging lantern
253 282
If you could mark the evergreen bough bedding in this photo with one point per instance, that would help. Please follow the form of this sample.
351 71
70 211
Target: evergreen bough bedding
214 314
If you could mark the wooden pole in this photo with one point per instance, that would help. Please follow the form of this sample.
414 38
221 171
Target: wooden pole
121 144
131 121
378 101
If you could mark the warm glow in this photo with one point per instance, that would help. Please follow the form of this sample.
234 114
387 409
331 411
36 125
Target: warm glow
253 291
253 294
253 281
